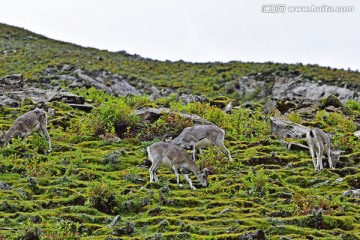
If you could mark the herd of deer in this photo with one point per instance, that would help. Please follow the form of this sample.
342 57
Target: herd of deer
173 154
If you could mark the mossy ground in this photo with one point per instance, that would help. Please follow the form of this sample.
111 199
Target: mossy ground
76 190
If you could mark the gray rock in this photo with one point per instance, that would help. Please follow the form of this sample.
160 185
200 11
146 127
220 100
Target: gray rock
5 186
258 235
357 133
51 112
152 114
291 87
106 81
114 221
8 102
155 93
13 81
355 192
189 98
282 129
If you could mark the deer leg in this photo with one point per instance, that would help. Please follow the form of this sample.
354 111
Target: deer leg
319 160
152 172
189 181
193 151
223 149
312 153
226 152
329 158
177 176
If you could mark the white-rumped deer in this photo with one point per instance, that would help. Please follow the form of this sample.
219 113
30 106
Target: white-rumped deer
32 121
177 159
320 144
202 136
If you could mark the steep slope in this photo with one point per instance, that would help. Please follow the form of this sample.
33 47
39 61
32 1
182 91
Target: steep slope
93 186
34 56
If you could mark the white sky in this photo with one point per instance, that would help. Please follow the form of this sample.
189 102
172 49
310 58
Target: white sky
198 30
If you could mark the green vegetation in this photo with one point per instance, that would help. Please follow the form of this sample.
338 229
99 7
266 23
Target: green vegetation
77 190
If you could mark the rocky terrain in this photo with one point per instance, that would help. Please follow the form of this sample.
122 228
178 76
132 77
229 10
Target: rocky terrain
105 108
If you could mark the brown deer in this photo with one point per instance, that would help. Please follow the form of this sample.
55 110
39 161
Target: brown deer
320 144
177 159
32 121
202 136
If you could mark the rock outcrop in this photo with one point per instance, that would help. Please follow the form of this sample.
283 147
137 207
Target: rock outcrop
282 129
260 86
13 94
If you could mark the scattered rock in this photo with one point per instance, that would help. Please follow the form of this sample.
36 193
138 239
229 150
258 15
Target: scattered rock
333 104
8 102
290 87
14 81
155 93
155 211
114 221
127 230
36 219
357 134
150 115
225 211
339 180
307 108
189 98
23 193
352 193
106 81
109 137
258 235
5 186
51 112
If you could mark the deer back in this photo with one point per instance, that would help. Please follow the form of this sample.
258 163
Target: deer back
165 152
199 132
27 123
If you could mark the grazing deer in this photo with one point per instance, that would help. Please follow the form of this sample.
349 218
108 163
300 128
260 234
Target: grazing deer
202 136
320 144
177 159
32 121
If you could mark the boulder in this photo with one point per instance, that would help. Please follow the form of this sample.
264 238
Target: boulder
150 115
357 133
290 87
110 83
14 81
355 192
8 102
282 129
189 98
5 186
256 235
306 107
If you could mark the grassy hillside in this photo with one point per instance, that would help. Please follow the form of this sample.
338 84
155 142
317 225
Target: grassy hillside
30 54
77 190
